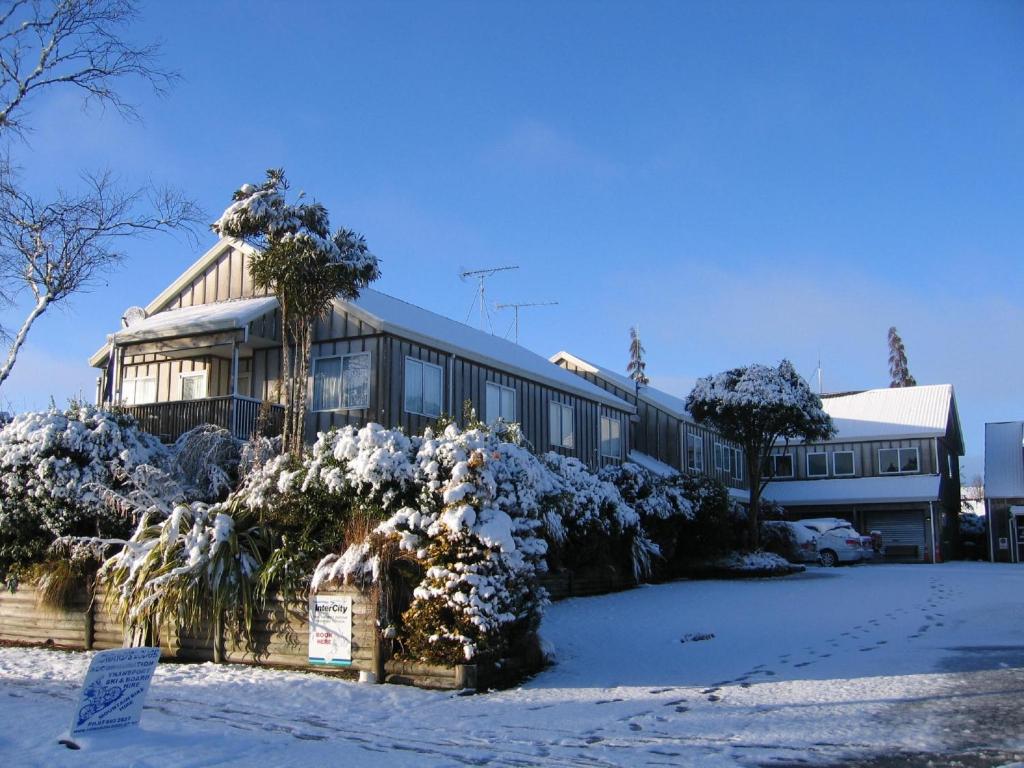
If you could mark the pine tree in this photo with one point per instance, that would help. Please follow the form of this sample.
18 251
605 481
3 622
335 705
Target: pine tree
899 372
637 365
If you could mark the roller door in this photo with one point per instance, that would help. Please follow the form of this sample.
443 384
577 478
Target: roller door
903 532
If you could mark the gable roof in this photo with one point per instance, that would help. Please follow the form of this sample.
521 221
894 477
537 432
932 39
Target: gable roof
674 406
1004 460
896 413
401 318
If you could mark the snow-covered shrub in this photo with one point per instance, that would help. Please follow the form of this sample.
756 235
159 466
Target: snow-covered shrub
205 460
54 469
597 527
715 525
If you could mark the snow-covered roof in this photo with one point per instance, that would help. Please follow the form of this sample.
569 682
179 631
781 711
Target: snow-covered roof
418 324
675 406
903 488
893 413
1004 460
201 318
651 464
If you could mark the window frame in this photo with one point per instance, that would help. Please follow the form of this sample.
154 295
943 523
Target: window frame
853 464
773 464
563 408
617 439
134 380
341 381
501 388
723 453
899 461
698 442
807 464
193 375
405 386
737 464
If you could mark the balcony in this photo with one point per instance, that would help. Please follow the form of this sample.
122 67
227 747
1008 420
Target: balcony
239 414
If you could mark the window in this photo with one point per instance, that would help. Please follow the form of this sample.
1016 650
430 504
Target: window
138 391
842 463
780 465
500 404
817 465
340 383
611 438
561 425
737 463
895 461
422 387
193 385
722 455
694 453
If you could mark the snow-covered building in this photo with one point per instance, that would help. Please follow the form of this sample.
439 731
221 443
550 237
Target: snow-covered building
1004 490
207 349
664 430
893 467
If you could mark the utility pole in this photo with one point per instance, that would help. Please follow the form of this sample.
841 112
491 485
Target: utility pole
481 275
517 306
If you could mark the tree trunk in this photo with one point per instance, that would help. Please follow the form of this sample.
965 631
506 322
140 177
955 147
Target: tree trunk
754 513
40 306
285 375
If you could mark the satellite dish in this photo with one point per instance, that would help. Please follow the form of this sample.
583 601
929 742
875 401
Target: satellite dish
133 316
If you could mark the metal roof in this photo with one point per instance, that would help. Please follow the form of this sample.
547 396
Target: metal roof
855 490
200 318
1004 460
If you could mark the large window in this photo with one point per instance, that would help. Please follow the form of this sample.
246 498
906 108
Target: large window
193 385
723 458
561 426
737 463
341 383
895 461
817 465
694 453
423 387
139 390
842 463
611 438
780 465
501 403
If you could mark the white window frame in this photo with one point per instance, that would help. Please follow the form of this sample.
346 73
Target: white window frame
853 464
492 419
737 464
807 464
698 453
405 386
899 461
193 375
617 439
341 373
723 457
773 465
557 438
135 384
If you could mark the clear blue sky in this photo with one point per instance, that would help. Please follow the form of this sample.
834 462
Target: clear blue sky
746 181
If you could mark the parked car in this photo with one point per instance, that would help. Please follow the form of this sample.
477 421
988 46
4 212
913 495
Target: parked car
793 541
838 542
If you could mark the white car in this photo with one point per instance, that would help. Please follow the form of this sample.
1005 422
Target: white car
805 541
838 542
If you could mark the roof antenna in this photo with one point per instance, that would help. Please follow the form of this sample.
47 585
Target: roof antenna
820 390
481 275
517 307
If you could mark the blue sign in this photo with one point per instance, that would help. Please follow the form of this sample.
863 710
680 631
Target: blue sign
115 689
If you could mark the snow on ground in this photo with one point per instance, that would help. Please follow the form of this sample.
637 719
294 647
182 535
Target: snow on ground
847 665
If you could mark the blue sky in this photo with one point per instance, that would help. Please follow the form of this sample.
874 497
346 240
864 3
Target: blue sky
746 181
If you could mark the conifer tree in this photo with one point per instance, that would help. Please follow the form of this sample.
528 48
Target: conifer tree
899 372
637 365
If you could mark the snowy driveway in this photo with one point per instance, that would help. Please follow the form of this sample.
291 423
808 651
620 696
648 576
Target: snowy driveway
872 665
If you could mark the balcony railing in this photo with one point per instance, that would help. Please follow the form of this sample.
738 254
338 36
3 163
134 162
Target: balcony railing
171 420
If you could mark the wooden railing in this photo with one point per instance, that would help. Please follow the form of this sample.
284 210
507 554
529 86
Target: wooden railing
169 421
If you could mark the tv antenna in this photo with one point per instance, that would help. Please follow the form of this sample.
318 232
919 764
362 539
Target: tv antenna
517 306
481 275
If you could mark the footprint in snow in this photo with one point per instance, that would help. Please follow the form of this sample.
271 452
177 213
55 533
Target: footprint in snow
865 650
714 698
714 689
635 727
804 664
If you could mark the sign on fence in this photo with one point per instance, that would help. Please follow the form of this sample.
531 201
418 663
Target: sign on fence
115 689
330 630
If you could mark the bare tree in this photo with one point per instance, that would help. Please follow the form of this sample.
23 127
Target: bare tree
52 43
53 250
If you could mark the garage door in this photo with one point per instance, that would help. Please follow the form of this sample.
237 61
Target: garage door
904 532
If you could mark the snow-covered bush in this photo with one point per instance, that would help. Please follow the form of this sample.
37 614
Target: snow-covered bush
54 468
716 524
205 461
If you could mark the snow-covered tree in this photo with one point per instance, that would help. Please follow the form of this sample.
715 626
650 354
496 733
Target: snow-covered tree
306 266
756 406
899 372
637 365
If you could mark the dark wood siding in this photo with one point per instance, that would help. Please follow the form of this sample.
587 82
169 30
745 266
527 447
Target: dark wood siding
865 456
